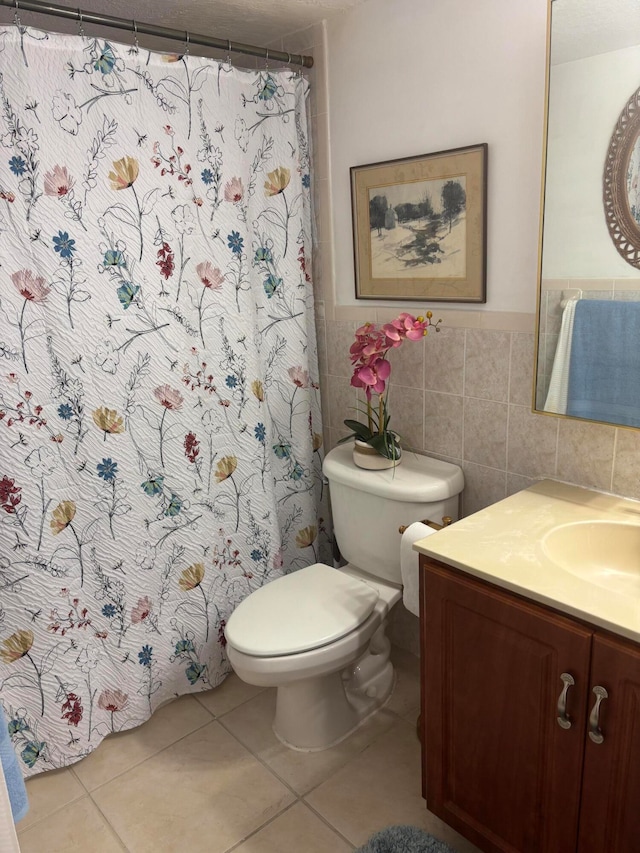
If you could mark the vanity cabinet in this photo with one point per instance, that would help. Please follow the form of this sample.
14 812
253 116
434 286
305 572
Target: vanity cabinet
506 698
610 813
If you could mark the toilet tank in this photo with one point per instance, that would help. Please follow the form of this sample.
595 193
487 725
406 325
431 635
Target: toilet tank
368 507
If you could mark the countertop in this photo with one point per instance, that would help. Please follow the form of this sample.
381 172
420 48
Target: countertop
503 544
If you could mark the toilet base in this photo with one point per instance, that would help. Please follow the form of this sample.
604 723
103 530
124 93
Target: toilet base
316 713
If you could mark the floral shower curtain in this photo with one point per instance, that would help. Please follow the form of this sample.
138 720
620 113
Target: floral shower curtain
160 433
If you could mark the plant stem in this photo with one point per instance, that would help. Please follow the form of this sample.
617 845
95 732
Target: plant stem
286 225
291 414
206 613
237 503
204 289
20 322
71 527
39 682
113 508
44 511
164 414
135 195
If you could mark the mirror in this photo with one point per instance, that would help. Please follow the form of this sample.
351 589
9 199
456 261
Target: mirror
588 347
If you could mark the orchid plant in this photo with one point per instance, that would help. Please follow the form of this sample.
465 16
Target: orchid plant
371 372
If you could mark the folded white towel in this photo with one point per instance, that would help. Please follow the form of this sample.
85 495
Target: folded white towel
410 564
559 383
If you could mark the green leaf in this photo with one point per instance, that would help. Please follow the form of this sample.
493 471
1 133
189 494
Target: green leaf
386 445
345 438
361 430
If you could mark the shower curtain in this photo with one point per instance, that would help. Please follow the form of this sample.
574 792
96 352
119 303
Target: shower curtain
160 432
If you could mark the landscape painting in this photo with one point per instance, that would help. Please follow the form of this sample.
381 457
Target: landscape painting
419 227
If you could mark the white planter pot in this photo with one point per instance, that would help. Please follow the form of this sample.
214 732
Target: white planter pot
364 456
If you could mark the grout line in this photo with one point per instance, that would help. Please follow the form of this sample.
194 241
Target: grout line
262 826
506 449
261 761
21 831
229 710
149 757
463 511
325 821
110 825
510 364
84 796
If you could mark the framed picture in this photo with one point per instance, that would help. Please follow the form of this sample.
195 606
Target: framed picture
419 227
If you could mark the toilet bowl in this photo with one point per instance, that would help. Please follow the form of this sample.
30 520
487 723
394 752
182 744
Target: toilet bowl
333 685
318 634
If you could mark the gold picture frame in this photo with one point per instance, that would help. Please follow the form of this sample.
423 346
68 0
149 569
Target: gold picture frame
419 227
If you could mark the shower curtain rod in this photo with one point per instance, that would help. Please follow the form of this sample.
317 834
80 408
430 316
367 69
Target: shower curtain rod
134 26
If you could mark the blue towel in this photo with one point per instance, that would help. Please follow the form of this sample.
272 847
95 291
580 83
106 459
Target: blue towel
604 376
12 774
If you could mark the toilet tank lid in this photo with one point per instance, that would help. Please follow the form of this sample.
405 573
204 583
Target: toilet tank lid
304 610
419 479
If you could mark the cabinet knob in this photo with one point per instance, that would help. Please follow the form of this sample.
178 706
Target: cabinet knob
595 732
564 721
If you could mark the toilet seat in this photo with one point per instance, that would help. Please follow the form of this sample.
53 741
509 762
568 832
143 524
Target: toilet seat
305 610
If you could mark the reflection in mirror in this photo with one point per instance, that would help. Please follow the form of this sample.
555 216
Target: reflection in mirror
588 356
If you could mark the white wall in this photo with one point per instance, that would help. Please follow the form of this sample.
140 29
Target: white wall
408 77
587 97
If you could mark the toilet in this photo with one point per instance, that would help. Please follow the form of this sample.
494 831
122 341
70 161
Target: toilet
318 634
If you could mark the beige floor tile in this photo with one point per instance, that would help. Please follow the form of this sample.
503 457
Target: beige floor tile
297 830
78 828
49 792
228 695
251 724
122 751
380 787
204 793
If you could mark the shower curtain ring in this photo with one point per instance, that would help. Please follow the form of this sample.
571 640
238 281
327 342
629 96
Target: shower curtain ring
229 53
80 24
266 59
186 33
16 15
135 35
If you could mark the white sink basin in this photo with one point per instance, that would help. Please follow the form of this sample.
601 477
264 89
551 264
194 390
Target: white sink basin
604 553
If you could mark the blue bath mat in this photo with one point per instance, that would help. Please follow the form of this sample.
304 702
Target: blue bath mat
404 839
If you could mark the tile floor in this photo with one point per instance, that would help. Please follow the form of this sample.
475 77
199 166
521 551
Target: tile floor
206 773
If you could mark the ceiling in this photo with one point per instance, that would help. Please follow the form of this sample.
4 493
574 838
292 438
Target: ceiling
258 22
582 28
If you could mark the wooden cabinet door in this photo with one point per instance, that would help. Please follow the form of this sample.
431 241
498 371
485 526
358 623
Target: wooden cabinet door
610 815
499 768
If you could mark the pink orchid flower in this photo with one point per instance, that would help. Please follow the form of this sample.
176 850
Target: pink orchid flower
405 326
372 376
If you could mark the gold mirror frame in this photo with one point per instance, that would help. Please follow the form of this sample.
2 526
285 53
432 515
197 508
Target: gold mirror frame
623 228
624 232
